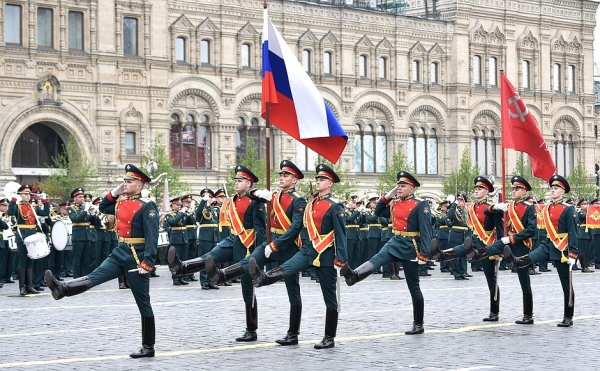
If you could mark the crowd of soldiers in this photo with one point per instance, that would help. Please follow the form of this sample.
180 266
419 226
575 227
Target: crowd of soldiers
226 238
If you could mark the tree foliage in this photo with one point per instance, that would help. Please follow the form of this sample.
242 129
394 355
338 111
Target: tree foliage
387 180
69 170
159 153
251 160
581 187
342 190
523 168
462 180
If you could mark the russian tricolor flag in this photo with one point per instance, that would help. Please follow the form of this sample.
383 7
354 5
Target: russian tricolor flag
296 106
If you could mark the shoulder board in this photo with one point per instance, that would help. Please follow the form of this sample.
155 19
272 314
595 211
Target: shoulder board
419 199
296 194
334 200
565 204
144 200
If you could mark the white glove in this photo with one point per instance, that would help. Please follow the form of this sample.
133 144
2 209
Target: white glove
118 190
501 206
571 262
206 197
142 271
505 240
361 208
184 209
421 262
43 196
87 206
264 194
268 251
392 193
92 211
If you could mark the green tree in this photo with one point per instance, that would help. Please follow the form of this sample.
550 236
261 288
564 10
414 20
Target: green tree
581 186
523 168
461 180
159 153
251 160
69 170
387 180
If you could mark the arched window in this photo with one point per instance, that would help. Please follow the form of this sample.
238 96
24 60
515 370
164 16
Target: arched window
493 71
190 142
37 146
249 133
370 148
432 146
327 63
525 69
306 158
476 70
422 151
571 79
306 61
383 68
416 71
362 66
180 53
563 153
483 151
245 56
205 52
434 73
556 69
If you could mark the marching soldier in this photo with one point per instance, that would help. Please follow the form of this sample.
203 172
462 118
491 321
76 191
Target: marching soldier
286 224
560 245
458 234
5 260
411 222
442 231
175 223
374 223
486 223
595 248
541 232
584 236
208 233
81 236
326 251
192 230
247 217
137 227
26 216
224 229
352 217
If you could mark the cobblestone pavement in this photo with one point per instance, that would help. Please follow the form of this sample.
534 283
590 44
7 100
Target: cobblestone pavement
195 328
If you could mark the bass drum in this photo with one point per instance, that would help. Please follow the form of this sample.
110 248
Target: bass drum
61 235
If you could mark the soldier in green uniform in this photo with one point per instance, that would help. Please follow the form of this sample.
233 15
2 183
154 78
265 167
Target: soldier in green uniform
374 223
595 244
286 224
192 231
584 235
5 261
208 233
324 221
175 224
458 234
81 236
27 226
560 245
442 231
352 217
223 230
137 227
411 222
485 220
247 217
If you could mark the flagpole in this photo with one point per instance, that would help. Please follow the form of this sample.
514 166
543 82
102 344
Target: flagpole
268 154
502 158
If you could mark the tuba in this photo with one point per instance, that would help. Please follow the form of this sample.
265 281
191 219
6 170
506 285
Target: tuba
11 189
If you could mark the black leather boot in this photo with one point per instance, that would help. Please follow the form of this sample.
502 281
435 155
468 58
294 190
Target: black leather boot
122 285
478 253
353 276
527 310
69 288
179 268
251 324
291 338
568 312
331 320
260 278
29 282
22 289
226 274
148 337
494 309
418 310
511 260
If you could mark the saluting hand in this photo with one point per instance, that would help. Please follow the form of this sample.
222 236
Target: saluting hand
392 193
118 190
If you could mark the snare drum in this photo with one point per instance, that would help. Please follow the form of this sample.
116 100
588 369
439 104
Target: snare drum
9 237
37 246
163 239
61 235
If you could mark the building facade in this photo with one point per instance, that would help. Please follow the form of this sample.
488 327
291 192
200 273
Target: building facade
116 75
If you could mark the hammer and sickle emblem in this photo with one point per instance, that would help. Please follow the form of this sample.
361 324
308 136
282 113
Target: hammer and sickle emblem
514 101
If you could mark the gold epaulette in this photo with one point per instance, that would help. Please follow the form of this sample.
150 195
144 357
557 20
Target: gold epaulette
296 194
334 200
